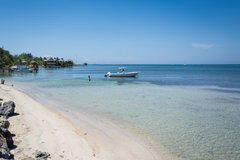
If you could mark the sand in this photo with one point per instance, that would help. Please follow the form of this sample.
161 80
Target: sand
38 128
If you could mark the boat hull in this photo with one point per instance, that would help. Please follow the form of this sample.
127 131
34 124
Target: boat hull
25 71
127 74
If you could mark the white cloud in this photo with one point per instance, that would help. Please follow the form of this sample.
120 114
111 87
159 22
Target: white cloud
202 46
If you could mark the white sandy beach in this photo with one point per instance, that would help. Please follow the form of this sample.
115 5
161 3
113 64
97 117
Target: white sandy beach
37 128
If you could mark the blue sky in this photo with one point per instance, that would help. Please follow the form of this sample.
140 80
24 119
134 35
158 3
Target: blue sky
124 31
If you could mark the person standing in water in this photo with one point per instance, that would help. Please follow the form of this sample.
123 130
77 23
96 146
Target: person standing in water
89 78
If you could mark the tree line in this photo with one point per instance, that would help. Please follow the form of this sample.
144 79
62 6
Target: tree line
7 59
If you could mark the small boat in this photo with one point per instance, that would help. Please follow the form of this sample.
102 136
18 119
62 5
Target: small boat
122 73
24 69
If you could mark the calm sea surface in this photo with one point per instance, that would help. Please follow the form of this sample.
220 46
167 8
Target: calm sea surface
192 110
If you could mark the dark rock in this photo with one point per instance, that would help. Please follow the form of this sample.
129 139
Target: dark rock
42 155
4 151
4 123
7 109
7 135
2 81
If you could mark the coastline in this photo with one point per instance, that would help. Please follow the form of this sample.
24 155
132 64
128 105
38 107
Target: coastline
37 127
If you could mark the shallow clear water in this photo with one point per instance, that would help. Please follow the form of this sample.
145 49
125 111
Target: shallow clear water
192 110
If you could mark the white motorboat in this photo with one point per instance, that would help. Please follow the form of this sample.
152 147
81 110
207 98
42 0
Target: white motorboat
122 73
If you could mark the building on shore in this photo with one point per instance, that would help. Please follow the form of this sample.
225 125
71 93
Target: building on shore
56 62
50 63
34 65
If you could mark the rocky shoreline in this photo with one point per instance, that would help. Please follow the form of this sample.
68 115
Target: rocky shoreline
7 109
6 142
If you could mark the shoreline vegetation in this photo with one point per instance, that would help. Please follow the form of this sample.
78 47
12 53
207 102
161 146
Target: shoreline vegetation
9 62
40 132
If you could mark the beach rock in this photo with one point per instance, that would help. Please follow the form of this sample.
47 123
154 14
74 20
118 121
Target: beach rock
2 81
7 135
4 151
7 109
42 155
4 123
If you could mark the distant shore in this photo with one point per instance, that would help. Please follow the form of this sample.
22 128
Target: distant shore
37 128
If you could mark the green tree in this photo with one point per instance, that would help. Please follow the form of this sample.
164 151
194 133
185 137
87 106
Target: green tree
6 58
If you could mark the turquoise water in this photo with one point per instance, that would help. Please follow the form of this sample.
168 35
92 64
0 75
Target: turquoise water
192 110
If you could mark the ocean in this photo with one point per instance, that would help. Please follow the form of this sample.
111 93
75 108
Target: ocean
193 111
